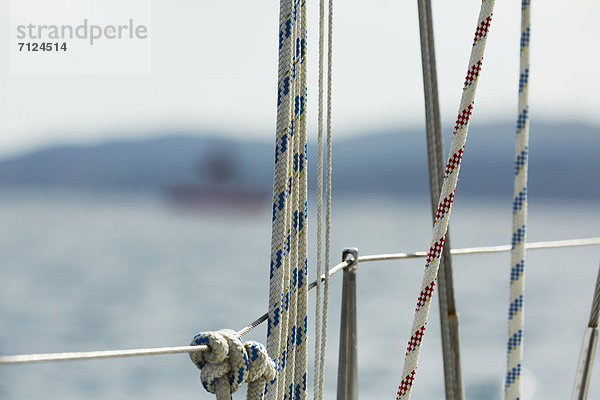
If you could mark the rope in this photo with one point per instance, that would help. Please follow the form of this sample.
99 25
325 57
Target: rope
435 156
512 384
318 304
288 362
280 178
228 363
301 370
286 331
33 358
445 203
325 311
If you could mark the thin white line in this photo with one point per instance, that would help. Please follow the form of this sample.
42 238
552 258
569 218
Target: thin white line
94 355
488 249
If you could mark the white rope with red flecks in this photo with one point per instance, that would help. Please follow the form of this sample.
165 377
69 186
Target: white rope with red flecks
512 382
445 203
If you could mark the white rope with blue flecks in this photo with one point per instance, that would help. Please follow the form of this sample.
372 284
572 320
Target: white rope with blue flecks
512 383
286 331
228 363
293 383
275 321
280 179
301 369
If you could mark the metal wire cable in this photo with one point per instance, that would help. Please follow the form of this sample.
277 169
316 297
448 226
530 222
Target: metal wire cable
486 249
595 312
583 373
435 155
90 355
96 355
34 358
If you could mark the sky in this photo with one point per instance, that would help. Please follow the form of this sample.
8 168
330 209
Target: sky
214 69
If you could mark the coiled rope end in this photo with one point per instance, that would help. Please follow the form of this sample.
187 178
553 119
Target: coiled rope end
228 363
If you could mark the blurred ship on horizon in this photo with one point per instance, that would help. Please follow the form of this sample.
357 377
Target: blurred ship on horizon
222 187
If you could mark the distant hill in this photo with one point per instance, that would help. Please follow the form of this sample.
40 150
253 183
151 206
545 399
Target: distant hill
564 162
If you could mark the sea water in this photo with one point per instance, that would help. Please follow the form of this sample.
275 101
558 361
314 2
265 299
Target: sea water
84 271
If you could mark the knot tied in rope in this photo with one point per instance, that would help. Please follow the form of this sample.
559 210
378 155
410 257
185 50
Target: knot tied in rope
228 363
